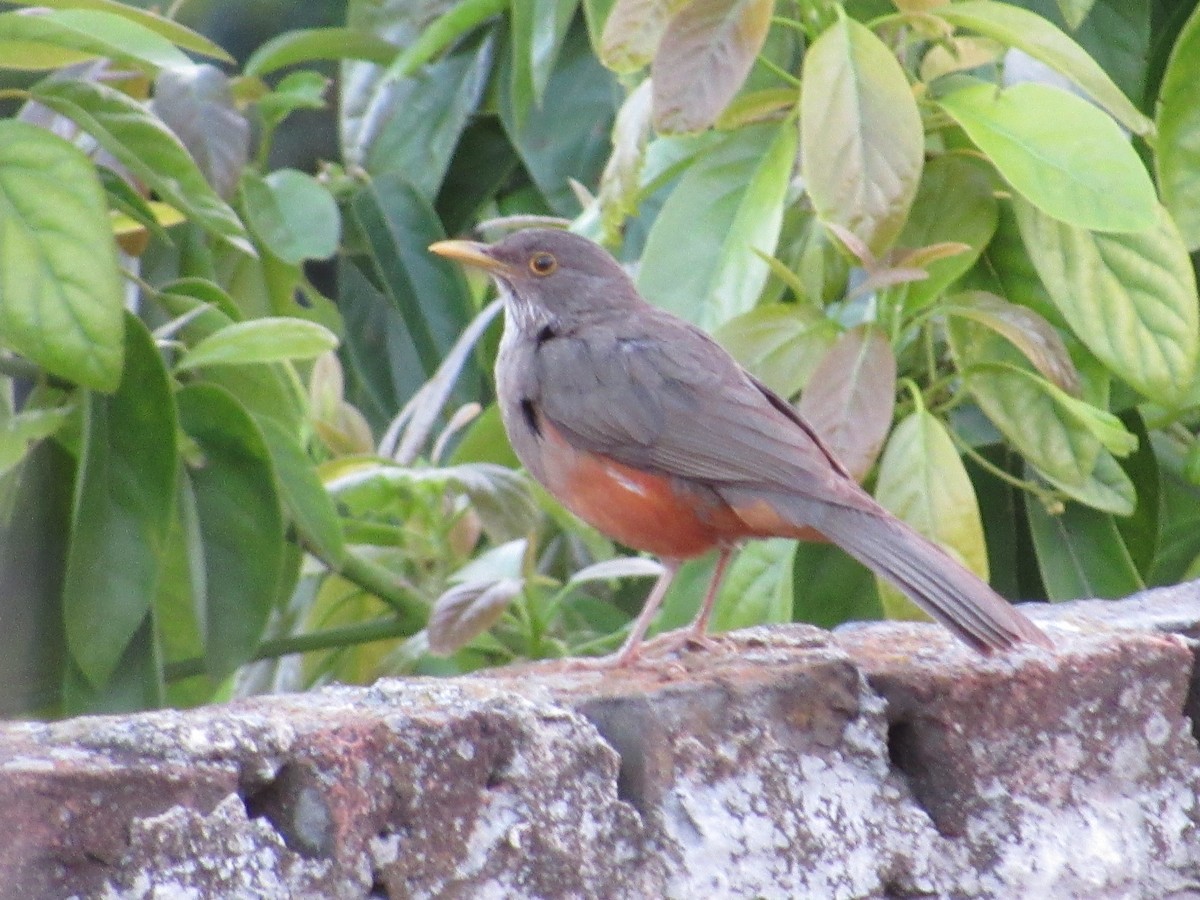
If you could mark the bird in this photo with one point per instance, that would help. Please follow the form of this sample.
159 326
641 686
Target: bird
644 427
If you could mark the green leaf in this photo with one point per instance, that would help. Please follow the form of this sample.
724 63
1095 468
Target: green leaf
239 525
196 103
780 343
1131 298
1177 151
304 45
293 214
1075 11
485 441
304 496
1036 338
413 126
58 38
123 501
955 202
1140 531
1031 33
850 400
703 58
567 136
831 588
60 289
922 480
1036 135
1080 554
18 433
170 29
1107 489
758 588
729 204
538 28
1018 406
428 292
298 90
259 341
861 140
127 130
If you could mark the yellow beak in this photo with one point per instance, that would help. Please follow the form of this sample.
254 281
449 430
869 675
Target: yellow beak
469 253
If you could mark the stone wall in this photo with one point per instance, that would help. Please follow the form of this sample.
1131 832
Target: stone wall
882 761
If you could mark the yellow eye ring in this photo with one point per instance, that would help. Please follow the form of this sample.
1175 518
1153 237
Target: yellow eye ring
542 263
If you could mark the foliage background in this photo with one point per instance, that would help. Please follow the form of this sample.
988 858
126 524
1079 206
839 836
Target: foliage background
962 235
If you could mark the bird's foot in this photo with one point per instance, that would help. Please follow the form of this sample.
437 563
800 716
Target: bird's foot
680 639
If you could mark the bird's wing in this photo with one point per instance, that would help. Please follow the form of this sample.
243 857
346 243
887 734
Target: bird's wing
656 393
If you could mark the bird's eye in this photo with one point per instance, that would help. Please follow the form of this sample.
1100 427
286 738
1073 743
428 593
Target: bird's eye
542 263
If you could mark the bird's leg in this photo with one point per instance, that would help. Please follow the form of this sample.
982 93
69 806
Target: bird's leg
698 630
632 647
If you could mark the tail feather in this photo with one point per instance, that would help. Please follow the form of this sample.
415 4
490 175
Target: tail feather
931 577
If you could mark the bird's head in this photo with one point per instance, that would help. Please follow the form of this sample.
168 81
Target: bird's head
548 277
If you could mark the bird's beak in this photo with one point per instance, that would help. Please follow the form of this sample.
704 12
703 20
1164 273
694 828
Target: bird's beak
470 253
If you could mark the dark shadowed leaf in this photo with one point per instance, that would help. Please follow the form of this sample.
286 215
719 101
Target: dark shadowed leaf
703 58
699 261
851 395
123 504
412 126
922 481
1140 531
1131 298
1031 33
1177 152
538 28
831 588
239 524
567 136
861 140
60 292
1036 134
1024 329
954 202
196 104
1080 554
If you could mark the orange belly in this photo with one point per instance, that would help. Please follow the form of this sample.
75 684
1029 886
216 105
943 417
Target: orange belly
641 510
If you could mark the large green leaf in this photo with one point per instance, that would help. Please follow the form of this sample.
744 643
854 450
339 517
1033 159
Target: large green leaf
780 343
831 588
728 204
413 125
703 59
861 140
60 290
170 29
58 38
758 587
1131 298
1006 270
1177 151
955 202
1080 554
922 481
123 501
1031 33
127 130
1036 135
239 525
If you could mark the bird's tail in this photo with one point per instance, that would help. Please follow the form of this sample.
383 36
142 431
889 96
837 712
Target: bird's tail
930 576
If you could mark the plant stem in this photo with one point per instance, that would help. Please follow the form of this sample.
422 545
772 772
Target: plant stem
331 639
